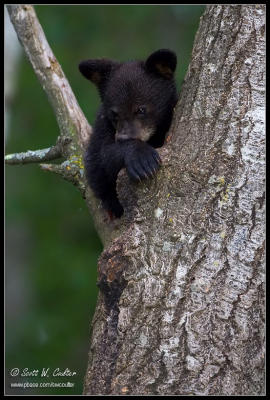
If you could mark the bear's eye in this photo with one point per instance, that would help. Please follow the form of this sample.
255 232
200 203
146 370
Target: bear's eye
141 111
114 115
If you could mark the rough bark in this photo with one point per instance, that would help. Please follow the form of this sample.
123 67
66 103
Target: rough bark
181 305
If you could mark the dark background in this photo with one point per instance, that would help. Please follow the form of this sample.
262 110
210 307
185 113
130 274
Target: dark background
51 245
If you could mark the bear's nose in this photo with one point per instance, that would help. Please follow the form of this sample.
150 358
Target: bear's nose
127 132
120 137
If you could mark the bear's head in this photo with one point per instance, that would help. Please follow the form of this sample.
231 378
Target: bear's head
138 96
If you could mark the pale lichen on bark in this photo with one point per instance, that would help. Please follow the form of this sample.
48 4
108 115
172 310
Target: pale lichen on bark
30 156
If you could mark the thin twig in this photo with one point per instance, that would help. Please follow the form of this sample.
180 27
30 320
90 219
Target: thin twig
71 170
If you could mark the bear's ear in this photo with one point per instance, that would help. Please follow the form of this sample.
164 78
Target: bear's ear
97 71
162 62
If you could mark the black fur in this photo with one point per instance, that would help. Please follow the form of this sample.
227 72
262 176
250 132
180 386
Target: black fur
137 105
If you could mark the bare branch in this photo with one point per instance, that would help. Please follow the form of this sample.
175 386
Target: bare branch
36 156
70 118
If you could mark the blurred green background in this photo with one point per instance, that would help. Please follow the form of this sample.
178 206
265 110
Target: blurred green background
51 245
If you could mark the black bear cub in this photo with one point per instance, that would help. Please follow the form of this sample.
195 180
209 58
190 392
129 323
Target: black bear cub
138 98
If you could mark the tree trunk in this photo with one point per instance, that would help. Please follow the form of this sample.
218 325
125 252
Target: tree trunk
181 304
